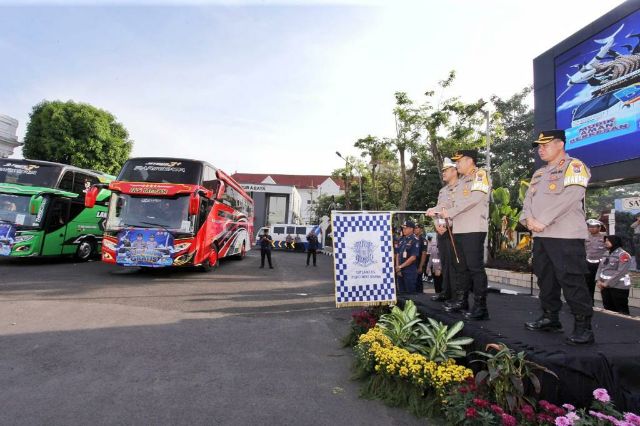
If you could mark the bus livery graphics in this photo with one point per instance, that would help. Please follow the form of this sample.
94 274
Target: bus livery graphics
7 238
41 206
193 212
148 247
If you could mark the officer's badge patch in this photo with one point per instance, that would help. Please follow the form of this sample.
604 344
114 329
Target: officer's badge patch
552 187
576 174
481 182
624 257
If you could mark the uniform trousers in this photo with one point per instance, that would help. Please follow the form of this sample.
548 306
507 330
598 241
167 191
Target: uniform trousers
419 283
444 250
468 271
615 299
311 252
407 281
265 253
559 264
590 278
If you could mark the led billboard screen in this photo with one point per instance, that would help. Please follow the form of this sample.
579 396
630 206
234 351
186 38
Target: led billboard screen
597 93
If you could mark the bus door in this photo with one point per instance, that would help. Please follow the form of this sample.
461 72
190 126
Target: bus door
56 227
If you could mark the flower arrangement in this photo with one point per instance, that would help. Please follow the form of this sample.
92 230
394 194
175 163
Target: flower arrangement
467 405
361 322
402 378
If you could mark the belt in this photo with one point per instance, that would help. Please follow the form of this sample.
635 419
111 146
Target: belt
593 261
435 260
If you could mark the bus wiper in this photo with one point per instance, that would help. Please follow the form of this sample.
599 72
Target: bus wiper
156 225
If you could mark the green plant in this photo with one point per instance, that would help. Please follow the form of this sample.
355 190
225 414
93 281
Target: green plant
440 341
401 327
502 220
505 375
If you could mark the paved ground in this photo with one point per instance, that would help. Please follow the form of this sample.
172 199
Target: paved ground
96 344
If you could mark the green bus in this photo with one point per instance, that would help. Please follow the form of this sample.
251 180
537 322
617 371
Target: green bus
42 210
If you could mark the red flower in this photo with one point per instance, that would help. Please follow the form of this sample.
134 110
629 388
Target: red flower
471 413
463 389
497 409
508 420
545 418
482 403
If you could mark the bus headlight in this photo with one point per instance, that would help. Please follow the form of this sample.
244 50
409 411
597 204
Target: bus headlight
181 246
23 238
110 245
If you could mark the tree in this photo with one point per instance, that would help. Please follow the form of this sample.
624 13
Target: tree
77 134
512 133
379 154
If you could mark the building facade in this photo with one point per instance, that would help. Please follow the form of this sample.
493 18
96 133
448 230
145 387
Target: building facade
286 198
8 138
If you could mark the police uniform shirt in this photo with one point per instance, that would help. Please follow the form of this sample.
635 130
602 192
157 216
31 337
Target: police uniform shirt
614 269
265 244
445 200
471 203
408 247
555 198
594 245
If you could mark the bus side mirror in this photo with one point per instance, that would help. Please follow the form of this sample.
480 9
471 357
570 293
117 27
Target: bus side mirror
34 204
194 204
221 190
91 197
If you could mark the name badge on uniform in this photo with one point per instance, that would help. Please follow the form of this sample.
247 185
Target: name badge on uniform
404 254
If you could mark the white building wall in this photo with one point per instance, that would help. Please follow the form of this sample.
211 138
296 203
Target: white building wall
8 138
310 196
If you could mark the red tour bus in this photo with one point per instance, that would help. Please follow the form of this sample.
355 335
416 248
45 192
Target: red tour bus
174 212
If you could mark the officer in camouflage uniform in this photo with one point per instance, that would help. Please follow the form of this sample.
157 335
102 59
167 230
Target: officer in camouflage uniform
553 210
470 212
407 259
596 250
445 201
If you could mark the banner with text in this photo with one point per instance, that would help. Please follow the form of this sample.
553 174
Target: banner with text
363 259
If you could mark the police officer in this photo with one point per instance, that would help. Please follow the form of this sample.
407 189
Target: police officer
406 259
312 247
423 253
265 248
434 268
613 276
596 250
445 201
553 210
470 213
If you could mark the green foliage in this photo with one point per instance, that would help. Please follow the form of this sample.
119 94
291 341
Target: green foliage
77 134
395 392
440 340
436 341
361 322
512 133
401 326
503 219
505 374
512 259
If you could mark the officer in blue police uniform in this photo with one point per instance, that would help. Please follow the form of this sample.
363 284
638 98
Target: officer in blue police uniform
421 260
407 258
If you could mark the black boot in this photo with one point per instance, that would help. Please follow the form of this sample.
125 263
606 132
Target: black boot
458 303
440 297
582 333
549 321
479 311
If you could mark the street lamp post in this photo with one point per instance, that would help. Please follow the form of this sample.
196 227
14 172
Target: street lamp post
359 175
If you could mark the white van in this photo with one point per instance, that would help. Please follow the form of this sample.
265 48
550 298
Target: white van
297 233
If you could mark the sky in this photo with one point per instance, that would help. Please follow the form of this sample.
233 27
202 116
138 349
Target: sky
269 87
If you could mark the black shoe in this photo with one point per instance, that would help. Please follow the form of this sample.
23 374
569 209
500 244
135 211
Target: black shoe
549 321
477 314
270 267
456 306
440 297
262 266
582 333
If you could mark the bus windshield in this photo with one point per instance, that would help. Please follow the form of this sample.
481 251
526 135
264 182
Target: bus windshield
15 209
161 170
166 213
28 173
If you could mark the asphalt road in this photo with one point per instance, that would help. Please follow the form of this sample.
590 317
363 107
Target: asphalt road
90 343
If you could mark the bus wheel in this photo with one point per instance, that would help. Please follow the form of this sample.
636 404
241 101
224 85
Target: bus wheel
85 250
206 263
